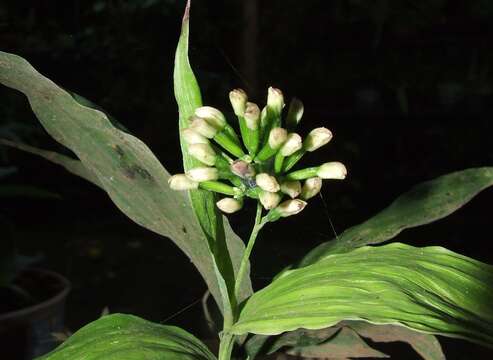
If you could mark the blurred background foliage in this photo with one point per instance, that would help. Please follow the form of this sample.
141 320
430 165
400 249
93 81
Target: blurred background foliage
406 86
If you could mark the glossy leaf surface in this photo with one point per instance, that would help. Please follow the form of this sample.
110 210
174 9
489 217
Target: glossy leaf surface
118 336
428 289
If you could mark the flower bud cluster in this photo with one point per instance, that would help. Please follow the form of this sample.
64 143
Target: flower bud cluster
258 163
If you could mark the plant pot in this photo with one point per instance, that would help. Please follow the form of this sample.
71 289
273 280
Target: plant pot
27 331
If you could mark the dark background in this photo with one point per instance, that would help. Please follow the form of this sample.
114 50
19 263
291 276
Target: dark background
406 87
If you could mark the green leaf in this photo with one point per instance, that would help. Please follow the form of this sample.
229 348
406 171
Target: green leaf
188 97
430 289
423 204
128 337
344 345
425 345
116 161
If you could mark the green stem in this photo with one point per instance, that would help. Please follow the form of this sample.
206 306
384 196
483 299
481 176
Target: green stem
225 346
246 255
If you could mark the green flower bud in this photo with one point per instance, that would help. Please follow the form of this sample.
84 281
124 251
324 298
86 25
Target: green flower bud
182 182
200 174
193 137
293 143
252 116
229 205
212 115
267 182
275 100
203 127
291 188
332 170
317 138
291 207
269 200
311 187
203 153
238 99
277 137
295 113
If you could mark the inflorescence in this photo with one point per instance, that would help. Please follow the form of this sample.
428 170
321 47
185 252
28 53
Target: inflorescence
263 171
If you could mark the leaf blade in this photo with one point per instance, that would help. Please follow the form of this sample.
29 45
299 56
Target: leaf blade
120 336
429 289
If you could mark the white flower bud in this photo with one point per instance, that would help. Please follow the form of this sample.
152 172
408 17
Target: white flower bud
238 99
229 205
203 153
277 137
200 174
291 207
316 138
182 182
252 116
213 116
269 200
275 99
193 137
291 188
203 127
311 187
267 182
332 170
293 143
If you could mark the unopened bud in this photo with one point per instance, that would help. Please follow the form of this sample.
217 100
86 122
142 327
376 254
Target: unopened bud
229 205
291 188
291 207
182 182
277 137
316 138
203 127
212 115
295 113
267 182
293 143
275 99
203 153
242 169
193 137
332 170
311 187
200 174
252 116
238 99
269 200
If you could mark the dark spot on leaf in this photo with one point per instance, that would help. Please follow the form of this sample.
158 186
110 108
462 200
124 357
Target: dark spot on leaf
119 151
184 229
134 171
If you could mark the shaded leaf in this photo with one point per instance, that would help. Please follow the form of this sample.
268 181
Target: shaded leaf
425 345
128 337
122 164
430 289
345 344
188 97
423 204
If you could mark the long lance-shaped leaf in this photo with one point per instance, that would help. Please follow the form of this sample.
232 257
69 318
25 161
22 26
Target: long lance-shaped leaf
71 165
188 97
423 204
118 336
430 289
122 164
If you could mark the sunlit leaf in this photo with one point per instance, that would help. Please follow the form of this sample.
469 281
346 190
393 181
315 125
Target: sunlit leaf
423 204
430 289
118 336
